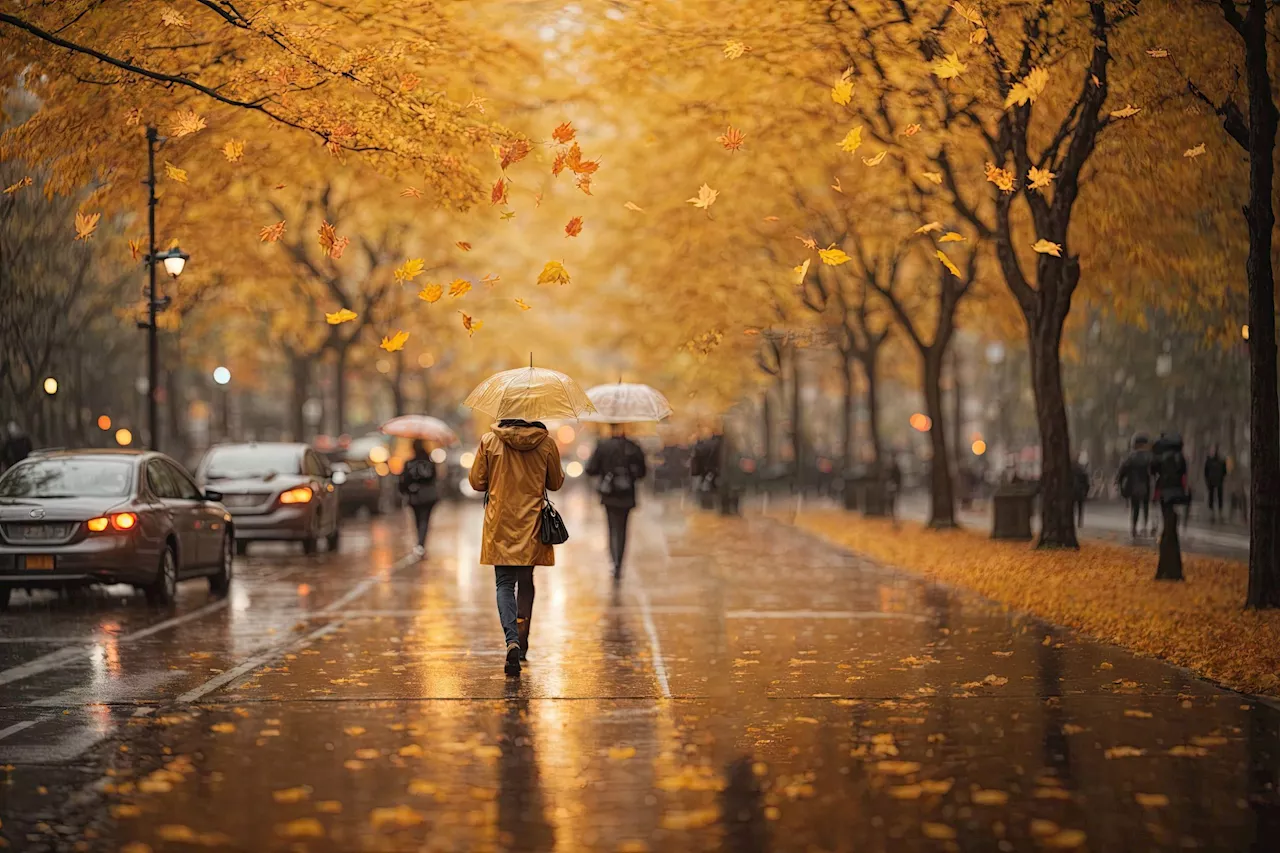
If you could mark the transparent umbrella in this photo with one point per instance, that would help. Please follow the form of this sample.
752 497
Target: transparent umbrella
424 427
532 393
627 403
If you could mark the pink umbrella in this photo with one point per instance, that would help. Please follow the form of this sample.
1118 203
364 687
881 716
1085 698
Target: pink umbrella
424 427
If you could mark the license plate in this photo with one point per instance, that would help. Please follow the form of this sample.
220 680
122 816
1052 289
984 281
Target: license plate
38 561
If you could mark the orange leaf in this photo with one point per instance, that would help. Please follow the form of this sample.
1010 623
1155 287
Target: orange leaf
463 245
564 133
498 195
272 233
731 139
574 228
575 162
411 192
514 152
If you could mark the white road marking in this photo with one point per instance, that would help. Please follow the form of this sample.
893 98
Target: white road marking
821 614
62 657
16 727
257 661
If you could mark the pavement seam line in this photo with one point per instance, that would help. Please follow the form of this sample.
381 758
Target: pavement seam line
655 647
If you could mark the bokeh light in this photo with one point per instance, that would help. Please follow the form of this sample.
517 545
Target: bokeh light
566 434
467 459
439 455
123 437
379 454
104 422
979 447
920 422
574 469
221 375
50 386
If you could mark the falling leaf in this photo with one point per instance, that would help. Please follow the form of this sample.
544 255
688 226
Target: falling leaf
271 233
801 271
1157 53
808 242
223 728
558 164
969 13
17 185
292 795
842 90
553 273
989 797
86 224
513 152
477 103
929 227
135 248
459 287
937 831
621 753
852 140
705 197
463 245
731 139
946 262
948 67
836 186
833 257
1038 178
330 242
564 133
133 117
303 827
733 49
1046 247
1194 152
524 306
411 192
174 173
498 195
1126 112
750 332
911 130
1151 801
632 206
1124 752
771 219
233 150
978 36
171 17
186 123
472 326
342 315
574 227
410 269
951 237
395 342
1002 178
431 293
583 183
1028 88
490 279
874 161
934 177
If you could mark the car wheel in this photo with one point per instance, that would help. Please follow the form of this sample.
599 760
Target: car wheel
164 588
309 544
4 597
220 582
242 547
332 539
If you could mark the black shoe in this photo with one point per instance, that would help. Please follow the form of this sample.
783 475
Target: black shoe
524 655
513 659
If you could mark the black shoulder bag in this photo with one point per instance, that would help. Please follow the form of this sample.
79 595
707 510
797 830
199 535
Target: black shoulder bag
551 529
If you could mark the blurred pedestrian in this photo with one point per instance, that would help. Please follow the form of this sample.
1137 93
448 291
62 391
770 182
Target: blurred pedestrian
893 485
1134 480
17 446
418 485
1215 478
1080 485
1169 468
705 468
619 464
515 465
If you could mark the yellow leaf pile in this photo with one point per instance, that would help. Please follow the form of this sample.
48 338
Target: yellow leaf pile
1104 590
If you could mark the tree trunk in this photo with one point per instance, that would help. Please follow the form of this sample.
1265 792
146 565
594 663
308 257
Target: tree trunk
766 427
1264 424
957 419
1057 482
339 391
942 508
848 450
397 385
869 361
797 432
301 368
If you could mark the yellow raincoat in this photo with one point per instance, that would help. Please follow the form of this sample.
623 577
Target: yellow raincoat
514 464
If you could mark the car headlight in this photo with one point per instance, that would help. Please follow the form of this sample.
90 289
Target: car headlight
300 495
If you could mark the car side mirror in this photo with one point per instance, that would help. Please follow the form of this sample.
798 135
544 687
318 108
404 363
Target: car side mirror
211 495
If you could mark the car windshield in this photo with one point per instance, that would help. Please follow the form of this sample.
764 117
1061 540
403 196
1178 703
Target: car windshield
252 460
68 478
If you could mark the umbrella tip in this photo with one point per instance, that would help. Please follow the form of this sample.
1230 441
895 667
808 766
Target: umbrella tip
530 361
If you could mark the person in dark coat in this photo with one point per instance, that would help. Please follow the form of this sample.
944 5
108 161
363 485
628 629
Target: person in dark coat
704 465
1080 488
1169 469
619 464
1134 480
1215 477
418 485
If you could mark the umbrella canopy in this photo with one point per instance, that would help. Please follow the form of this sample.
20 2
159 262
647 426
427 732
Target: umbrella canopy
532 393
424 427
627 403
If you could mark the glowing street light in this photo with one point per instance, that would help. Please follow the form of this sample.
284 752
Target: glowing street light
174 260
979 447
221 375
1244 331
50 386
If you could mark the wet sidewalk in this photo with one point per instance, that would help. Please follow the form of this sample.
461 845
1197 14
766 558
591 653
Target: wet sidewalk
744 688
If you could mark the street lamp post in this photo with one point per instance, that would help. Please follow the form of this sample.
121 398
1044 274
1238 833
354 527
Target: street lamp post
222 376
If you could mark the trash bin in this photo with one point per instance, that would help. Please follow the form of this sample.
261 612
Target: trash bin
1012 509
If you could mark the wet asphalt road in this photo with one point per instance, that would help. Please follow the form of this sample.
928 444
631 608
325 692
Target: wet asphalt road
745 688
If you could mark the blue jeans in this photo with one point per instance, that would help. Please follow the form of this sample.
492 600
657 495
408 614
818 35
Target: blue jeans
515 599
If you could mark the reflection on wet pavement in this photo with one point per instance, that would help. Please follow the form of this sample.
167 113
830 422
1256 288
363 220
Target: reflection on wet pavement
744 688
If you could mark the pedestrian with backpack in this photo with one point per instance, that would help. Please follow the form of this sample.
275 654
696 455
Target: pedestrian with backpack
1169 470
619 464
419 487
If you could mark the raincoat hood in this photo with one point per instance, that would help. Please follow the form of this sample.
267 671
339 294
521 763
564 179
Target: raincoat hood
520 435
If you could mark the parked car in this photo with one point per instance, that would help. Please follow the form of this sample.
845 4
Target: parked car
71 518
365 484
275 491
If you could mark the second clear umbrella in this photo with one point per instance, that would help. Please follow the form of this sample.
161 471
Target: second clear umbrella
627 403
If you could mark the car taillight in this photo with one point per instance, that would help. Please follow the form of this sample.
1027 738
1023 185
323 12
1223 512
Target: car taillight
300 495
119 521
